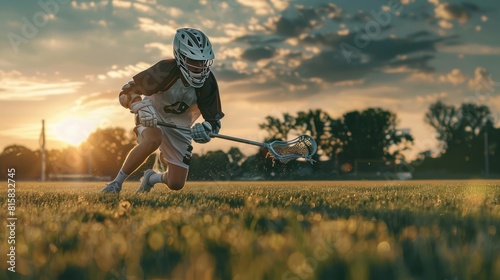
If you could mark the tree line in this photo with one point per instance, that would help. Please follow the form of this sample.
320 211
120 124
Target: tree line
359 144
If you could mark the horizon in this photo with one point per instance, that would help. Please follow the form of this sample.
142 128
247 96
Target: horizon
66 61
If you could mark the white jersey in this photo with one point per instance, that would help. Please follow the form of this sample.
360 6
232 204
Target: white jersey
177 105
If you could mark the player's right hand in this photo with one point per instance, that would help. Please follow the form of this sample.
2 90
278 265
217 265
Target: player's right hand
146 112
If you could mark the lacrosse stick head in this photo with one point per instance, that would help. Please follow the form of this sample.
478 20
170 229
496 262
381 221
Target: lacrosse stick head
303 146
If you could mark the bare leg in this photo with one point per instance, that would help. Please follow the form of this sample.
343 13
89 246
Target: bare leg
136 157
175 177
151 140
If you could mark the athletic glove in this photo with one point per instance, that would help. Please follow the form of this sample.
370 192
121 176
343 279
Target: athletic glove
128 94
144 109
201 132
216 125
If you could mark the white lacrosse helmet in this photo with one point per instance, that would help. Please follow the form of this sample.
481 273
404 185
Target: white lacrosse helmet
192 44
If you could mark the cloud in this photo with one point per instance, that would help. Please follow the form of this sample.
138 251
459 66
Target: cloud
441 14
445 24
431 98
15 86
303 51
229 74
471 49
117 72
170 11
482 81
259 39
389 54
258 53
233 30
330 66
460 13
92 98
83 5
260 7
142 6
390 48
280 5
127 71
455 77
300 20
418 77
227 53
164 30
314 60
165 50
263 8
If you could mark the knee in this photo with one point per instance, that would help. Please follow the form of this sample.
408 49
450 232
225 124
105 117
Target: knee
155 142
175 186
152 141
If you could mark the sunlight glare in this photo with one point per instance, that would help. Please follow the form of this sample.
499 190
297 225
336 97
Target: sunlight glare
73 130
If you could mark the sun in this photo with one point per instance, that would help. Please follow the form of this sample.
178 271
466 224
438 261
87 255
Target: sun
73 130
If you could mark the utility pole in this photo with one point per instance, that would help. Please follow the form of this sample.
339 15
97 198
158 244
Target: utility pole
486 155
89 164
42 151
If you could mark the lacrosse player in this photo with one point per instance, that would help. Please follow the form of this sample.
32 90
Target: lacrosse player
175 91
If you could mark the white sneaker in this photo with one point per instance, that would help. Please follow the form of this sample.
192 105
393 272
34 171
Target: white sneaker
145 185
113 187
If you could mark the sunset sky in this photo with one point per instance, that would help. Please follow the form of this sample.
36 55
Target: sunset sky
65 61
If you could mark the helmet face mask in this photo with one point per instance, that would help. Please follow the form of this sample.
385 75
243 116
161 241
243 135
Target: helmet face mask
193 54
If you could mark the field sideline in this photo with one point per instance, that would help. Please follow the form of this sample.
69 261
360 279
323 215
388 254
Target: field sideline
256 230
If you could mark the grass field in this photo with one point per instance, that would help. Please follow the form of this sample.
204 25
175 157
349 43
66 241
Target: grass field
257 230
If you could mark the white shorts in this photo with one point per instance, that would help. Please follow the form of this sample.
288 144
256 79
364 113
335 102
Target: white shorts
175 145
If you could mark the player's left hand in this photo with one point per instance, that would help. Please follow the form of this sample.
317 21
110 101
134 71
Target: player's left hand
201 132
146 112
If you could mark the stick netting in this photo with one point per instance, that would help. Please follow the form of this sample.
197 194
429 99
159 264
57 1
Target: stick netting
303 146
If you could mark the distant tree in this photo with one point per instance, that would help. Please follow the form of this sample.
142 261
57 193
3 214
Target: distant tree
69 160
317 123
370 134
475 119
456 126
258 165
461 131
359 135
211 166
251 166
108 148
25 161
279 128
216 165
494 150
444 119
196 168
313 122
235 155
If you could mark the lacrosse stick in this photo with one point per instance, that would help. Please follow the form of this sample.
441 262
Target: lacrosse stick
303 146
